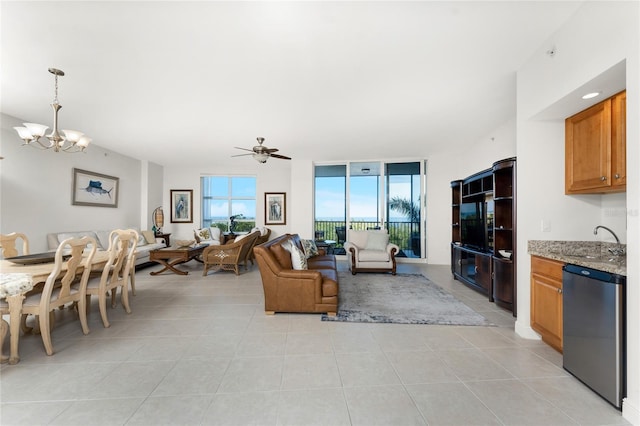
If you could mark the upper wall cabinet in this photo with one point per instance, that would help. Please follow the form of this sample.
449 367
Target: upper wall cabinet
595 148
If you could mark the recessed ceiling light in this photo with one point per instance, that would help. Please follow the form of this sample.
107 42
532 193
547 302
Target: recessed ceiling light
591 95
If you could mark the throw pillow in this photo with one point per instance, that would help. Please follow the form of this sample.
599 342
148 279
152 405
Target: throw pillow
377 241
298 259
149 236
203 234
310 248
67 235
216 233
142 241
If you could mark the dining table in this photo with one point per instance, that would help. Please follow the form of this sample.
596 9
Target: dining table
16 279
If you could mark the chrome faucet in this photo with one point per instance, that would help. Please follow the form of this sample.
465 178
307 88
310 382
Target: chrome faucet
617 251
595 232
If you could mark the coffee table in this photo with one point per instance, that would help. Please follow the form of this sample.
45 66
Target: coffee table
169 257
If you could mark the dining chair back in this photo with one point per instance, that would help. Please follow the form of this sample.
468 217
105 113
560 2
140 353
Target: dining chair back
115 274
62 287
9 246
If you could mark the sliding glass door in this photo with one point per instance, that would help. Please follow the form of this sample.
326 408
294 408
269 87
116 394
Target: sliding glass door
372 195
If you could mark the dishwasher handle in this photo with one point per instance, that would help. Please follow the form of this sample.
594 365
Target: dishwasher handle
593 273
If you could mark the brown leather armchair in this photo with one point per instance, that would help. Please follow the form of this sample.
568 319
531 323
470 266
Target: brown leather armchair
313 290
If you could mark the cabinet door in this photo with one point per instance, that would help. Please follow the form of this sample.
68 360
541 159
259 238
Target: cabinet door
619 140
588 149
503 283
456 260
546 309
483 272
468 265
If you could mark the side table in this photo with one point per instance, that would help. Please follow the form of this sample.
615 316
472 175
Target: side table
165 237
327 245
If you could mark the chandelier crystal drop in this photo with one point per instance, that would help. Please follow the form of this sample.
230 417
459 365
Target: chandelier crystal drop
67 141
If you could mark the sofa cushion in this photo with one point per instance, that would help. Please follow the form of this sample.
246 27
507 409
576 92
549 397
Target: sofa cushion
310 248
358 238
66 235
282 256
373 256
142 241
298 259
377 241
149 236
321 263
216 233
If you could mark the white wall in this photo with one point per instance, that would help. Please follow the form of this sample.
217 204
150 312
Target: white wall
35 189
598 36
272 176
442 168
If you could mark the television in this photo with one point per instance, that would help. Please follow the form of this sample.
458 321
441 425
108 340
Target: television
476 222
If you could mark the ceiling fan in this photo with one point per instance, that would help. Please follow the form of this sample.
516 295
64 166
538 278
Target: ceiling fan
261 153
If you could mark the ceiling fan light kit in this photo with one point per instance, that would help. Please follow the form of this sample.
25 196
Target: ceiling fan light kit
69 141
261 153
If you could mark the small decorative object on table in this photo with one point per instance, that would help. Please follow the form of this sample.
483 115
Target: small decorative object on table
185 243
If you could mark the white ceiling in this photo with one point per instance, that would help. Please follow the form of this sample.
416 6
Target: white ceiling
185 82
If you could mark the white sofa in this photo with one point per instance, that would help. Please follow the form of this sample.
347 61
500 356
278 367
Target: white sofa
102 237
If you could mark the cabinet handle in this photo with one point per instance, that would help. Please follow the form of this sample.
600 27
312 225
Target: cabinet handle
603 178
560 291
459 261
475 269
617 176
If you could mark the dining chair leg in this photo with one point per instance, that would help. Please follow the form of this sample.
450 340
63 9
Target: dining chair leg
113 297
102 302
133 281
82 312
45 332
125 299
4 331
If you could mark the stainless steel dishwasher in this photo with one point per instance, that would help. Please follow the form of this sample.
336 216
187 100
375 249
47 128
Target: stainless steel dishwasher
594 330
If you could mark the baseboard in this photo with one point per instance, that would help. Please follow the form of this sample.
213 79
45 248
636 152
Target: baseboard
631 411
525 331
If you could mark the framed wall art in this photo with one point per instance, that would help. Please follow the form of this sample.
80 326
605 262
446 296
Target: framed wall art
94 189
275 208
182 206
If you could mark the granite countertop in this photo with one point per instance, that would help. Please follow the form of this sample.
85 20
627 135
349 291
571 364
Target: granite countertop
590 254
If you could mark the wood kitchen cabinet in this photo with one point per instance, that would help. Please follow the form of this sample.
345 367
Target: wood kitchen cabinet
595 148
546 300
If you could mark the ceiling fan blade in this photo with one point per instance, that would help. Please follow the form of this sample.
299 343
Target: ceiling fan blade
240 155
270 150
244 149
282 157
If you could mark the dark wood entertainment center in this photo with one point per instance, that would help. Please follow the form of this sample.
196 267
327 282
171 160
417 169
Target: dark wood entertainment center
483 232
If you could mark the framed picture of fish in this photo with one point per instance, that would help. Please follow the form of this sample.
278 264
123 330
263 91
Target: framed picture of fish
94 189
181 206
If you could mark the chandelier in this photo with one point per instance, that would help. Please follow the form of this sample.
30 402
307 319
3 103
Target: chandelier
68 141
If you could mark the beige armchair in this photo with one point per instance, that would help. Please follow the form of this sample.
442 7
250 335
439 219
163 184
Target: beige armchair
370 251
229 256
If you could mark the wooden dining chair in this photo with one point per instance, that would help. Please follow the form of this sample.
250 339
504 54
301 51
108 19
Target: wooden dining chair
61 287
115 274
9 246
132 270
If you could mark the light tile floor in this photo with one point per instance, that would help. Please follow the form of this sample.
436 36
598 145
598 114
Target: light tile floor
200 351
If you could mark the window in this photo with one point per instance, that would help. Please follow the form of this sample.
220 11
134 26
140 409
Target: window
227 196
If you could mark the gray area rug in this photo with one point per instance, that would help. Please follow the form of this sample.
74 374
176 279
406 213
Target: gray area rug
400 299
